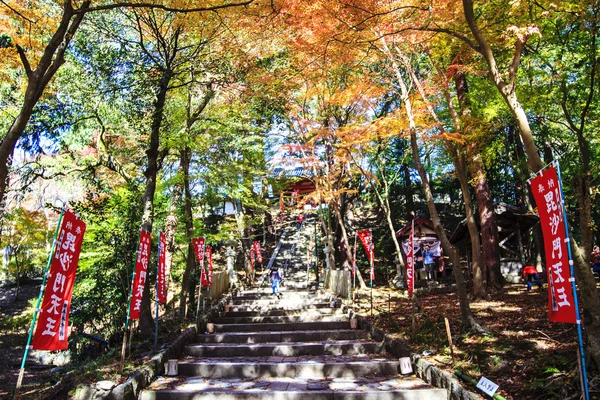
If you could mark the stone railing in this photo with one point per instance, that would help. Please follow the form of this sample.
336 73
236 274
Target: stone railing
220 284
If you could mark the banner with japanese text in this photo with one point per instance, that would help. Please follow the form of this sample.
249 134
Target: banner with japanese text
199 248
140 276
209 263
256 246
161 273
546 191
367 242
410 262
52 330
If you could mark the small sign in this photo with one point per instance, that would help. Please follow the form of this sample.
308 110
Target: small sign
487 386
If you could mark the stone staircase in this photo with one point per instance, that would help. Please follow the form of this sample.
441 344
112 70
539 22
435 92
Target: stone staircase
291 348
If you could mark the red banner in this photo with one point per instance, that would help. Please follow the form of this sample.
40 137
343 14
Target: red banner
52 330
209 264
198 244
161 273
367 242
140 276
252 258
200 249
546 191
410 262
257 251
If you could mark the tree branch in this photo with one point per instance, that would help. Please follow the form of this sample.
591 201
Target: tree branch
24 60
514 66
16 12
84 10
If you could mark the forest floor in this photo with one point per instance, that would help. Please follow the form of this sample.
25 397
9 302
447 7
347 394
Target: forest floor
525 354
43 380
528 356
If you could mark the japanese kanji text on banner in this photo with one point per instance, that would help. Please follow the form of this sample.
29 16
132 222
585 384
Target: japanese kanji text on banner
256 246
410 263
52 327
141 275
198 244
209 263
367 241
162 278
547 194
200 249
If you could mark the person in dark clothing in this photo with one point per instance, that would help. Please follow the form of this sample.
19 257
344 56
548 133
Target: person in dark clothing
275 278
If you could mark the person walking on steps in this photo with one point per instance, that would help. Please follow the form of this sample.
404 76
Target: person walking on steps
275 280
300 220
429 263
530 274
596 260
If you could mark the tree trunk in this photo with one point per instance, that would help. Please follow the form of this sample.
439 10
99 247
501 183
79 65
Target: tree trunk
37 80
585 278
485 204
346 243
151 172
468 320
479 277
171 223
590 299
465 309
190 262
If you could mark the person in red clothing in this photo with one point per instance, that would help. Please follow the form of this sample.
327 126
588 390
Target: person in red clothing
530 274
300 220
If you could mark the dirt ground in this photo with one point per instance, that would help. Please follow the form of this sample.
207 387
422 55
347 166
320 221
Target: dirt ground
13 337
528 356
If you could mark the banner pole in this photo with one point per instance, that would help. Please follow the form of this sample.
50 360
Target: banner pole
198 297
372 256
411 289
582 370
354 270
127 330
156 295
37 306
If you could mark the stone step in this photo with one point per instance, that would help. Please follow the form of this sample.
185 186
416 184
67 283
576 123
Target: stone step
296 326
278 307
392 388
296 336
272 300
274 319
269 312
301 296
290 367
337 347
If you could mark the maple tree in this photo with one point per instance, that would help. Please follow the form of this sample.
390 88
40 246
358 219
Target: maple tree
27 25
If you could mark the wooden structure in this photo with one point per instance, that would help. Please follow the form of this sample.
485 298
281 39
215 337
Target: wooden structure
424 236
515 239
